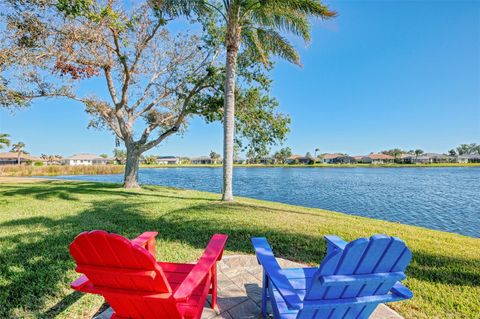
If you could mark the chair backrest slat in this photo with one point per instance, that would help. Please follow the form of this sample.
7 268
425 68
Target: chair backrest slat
116 266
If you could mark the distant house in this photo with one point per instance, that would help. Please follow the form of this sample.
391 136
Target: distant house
201 160
468 158
378 159
299 159
429 158
338 159
420 159
358 158
84 159
330 158
345 159
267 160
439 158
11 158
168 160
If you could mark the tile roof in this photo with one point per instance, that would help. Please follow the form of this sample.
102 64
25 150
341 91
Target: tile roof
380 156
13 155
332 156
295 156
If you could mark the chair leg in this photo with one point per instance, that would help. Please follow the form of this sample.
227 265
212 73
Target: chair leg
264 294
214 286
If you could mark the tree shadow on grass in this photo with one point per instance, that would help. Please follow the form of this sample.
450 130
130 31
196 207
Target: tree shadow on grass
35 266
304 248
63 304
66 190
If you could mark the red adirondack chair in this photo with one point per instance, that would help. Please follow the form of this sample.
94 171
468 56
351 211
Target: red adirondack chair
135 285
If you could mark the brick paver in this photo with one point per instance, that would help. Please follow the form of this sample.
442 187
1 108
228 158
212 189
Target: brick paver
239 290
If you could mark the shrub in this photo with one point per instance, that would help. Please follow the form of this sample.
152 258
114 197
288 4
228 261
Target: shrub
53 170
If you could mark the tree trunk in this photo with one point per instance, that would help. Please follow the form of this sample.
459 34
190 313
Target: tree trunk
131 168
229 123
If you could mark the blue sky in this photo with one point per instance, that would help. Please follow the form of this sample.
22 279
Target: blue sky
383 74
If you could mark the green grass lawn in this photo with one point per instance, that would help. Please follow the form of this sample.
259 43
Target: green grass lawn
38 220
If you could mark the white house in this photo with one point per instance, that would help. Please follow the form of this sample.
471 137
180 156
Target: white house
84 159
468 158
168 160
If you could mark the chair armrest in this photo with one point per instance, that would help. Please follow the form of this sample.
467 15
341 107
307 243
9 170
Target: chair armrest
147 241
343 280
400 290
334 242
270 265
207 261
81 282
397 293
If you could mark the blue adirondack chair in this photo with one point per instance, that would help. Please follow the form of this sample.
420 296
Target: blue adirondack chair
353 279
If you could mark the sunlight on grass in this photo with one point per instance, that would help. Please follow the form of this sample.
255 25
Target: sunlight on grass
39 220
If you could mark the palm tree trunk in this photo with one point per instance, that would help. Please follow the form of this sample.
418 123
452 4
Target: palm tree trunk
131 167
18 158
229 122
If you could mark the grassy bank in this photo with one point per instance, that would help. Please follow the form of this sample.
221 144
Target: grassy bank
57 170
39 219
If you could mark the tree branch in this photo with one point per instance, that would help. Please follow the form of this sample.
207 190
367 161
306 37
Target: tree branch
143 45
110 84
126 70
183 113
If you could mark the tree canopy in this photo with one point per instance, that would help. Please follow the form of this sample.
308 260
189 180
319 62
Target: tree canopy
468 149
4 140
145 80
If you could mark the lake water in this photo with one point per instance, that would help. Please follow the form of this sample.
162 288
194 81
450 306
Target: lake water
439 198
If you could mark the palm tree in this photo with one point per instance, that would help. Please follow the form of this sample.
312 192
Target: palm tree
214 157
4 140
418 153
257 25
18 148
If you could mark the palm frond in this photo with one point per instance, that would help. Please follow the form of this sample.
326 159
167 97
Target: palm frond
176 8
313 8
253 44
4 140
264 22
266 41
291 21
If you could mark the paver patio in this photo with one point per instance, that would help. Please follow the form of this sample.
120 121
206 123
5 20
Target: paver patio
239 290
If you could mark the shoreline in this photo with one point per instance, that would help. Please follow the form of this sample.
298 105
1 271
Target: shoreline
59 170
